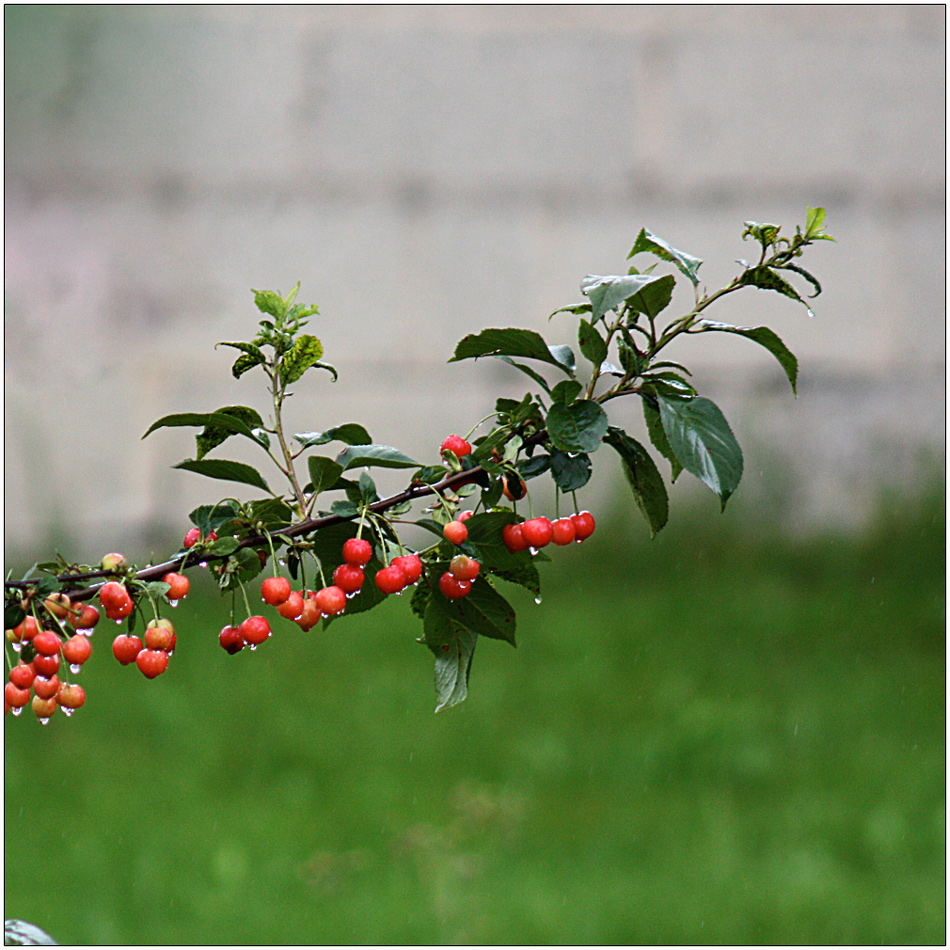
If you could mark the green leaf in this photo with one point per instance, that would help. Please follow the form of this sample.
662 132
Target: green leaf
350 432
525 575
533 467
528 371
223 419
453 644
269 302
703 442
576 309
648 242
563 357
227 545
244 363
764 233
764 337
507 342
765 278
608 293
305 352
592 344
13 614
209 518
323 472
809 277
217 431
272 512
649 492
226 470
654 297
570 472
578 427
566 391
485 611
815 225
651 415
384 456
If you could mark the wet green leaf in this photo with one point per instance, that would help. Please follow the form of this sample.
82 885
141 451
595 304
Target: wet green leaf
578 427
649 492
648 242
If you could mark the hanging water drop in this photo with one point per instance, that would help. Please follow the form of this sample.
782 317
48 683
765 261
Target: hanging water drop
532 551
17 710
174 603
253 647
74 668
281 562
537 599
44 720
202 564
67 711
89 631
17 646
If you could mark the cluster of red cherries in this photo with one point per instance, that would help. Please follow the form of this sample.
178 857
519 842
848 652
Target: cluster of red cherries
39 683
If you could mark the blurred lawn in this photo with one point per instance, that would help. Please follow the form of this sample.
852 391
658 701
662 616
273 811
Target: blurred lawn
707 738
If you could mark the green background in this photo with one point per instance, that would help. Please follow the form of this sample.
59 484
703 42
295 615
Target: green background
720 736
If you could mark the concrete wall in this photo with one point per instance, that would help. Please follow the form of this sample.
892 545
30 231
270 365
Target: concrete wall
428 171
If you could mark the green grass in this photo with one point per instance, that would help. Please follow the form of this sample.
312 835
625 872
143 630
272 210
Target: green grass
708 738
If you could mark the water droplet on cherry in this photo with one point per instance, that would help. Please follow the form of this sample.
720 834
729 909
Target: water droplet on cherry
17 646
173 603
44 720
67 711
74 668
17 710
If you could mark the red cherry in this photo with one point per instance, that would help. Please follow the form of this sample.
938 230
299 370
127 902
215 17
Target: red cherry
537 532
192 537
255 630
330 600
126 648
410 565
392 579
77 649
464 568
231 639
563 531
275 590
152 663
22 675
456 444
86 619
16 696
452 587
71 696
465 515
47 643
455 531
292 607
45 665
310 616
514 538
26 629
159 635
583 525
112 594
46 686
44 708
349 578
357 551
178 585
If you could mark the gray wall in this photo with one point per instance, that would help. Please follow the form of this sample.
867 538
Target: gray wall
428 171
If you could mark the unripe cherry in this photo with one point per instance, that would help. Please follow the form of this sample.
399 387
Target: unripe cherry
537 532
392 579
563 531
456 532
152 663
292 607
465 515
584 525
231 639
464 568
44 708
255 630
514 538
452 587
275 590
349 578
330 600
410 565
58 605
178 585
113 561
357 551
126 647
